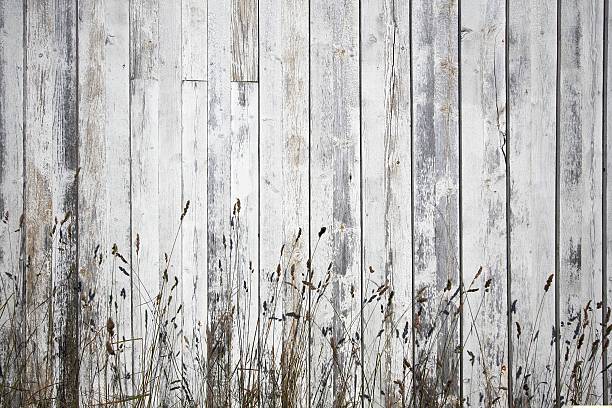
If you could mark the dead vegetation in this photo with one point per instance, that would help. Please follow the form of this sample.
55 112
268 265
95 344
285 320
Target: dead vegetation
233 359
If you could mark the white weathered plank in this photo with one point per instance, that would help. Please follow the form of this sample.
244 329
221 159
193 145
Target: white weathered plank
145 151
117 131
244 40
284 193
483 183
144 39
11 194
145 272
531 147
51 168
335 349
607 94
436 203
244 269
170 205
195 43
580 189
219 203
104 194
193 235
387 230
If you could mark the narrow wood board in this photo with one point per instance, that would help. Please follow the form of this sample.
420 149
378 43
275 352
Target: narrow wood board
531 146
170 193
245 31
483 183
387 213
11 189
284 188
436 200
335 315
104 201
580 189
219 204
244 269
194 51
194 243
51 150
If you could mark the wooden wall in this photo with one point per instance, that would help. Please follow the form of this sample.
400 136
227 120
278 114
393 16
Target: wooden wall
439 143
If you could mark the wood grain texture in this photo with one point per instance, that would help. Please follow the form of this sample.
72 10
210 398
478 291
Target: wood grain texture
335 349
483 100
104 199
219 203
145 151
193 235
170 187
607 213
244 269
580 183
284 190
244 40
51 166
144 39
113 119
194 48
531 146
145 273
11 191
436 204
387 229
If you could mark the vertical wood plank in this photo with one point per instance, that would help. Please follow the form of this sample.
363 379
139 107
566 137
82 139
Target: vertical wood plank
244 40
11 193
284 192
194 48
335 204
51 168
387 229
104 200
244 275
194 244
608 193
436 204
145 150
145 272
483 183
580 172
170 205
531 146
118 213
219 203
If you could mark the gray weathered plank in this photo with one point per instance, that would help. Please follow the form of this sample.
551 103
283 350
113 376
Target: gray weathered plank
195 43
51 150
436 204
284 192
244 40
170 186
531 147
11 190
104 199
145 150
607 163
387 229
144 39
335 318
483 183
219 203
580 189
244 269
146 276
194 244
